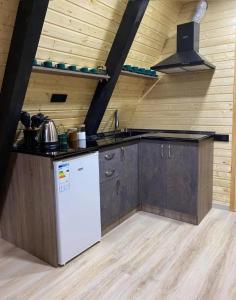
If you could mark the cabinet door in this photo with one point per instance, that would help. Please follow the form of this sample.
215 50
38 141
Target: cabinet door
129 179
182 177
77 205
152 183
110 196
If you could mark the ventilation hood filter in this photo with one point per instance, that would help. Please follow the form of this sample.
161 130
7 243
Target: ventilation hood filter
187 58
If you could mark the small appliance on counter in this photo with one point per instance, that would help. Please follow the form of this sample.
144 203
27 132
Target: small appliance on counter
48 136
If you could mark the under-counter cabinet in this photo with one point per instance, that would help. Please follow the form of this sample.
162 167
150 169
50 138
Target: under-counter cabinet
176 178
118 183
52 208
164 174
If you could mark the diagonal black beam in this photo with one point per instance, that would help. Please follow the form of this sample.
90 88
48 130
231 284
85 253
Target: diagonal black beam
120 48
27 30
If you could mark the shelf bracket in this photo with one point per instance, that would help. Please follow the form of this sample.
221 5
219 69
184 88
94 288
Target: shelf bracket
25 38
124 38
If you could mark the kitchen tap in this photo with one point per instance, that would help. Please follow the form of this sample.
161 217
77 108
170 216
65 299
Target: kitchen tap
116 118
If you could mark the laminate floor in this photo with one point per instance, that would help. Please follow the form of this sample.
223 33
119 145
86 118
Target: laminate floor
146 257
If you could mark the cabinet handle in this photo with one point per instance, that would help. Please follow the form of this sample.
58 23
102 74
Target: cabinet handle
109 173
169 152
109 156
122 149
162 151
117 187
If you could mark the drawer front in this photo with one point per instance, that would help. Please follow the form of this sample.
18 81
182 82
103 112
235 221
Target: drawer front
108 172
109 156
109 164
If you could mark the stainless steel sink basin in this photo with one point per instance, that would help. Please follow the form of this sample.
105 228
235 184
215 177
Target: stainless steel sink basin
126 134
121 134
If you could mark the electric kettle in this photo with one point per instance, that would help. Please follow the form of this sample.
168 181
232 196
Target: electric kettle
48 136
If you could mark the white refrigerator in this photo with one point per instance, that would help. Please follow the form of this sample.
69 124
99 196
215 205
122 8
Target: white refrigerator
78 216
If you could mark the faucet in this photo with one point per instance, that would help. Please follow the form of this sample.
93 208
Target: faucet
116 118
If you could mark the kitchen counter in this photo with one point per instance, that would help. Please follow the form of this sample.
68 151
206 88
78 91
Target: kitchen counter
185 137
102 140
165 173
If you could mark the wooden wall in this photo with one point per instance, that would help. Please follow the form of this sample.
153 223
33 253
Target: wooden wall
200 101
82 32
7 19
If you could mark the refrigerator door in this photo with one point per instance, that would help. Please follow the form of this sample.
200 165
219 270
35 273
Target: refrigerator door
77 205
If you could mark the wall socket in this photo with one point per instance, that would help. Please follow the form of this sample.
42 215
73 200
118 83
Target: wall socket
58 98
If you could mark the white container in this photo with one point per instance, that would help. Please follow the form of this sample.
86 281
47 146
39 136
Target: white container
82 143
81 135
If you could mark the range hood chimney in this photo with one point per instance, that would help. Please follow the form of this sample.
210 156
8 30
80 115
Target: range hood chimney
187 57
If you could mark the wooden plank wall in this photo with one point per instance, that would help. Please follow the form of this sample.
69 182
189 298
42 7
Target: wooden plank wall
200 101
8 11
82 32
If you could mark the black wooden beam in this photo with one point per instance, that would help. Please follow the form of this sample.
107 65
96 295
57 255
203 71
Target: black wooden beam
27 30
123 40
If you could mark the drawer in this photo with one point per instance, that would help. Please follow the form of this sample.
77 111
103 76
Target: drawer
109 164
109 171
109 156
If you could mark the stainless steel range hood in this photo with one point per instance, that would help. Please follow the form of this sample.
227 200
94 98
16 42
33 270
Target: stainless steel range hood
187 57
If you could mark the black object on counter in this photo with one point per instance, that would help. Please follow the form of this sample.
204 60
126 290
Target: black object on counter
25 119
37 120
30 138
33 122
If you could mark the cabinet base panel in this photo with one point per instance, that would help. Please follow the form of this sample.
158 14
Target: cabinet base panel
118 222
28 217
170 214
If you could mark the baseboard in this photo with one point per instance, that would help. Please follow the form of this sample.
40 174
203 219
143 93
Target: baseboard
118 222
170 214
220 205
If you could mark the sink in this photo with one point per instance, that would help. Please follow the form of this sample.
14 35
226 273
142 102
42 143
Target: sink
116 135
126 134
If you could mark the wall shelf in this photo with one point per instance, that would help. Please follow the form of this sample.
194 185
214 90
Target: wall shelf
54 71
132 74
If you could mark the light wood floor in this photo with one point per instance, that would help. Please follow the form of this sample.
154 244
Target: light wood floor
147 257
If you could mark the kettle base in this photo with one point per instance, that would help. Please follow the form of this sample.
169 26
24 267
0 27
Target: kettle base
50 146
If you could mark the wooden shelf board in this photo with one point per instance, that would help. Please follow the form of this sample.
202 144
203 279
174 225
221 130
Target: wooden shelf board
132 74
54 71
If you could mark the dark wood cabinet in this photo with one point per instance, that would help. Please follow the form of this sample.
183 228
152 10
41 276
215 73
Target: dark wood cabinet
129 179
182 177
118 183
110 201
152 173
176 178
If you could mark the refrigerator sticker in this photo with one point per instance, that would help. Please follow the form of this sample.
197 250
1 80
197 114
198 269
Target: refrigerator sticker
63 177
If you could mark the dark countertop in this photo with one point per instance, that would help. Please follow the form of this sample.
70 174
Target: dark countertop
176 136
103 140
